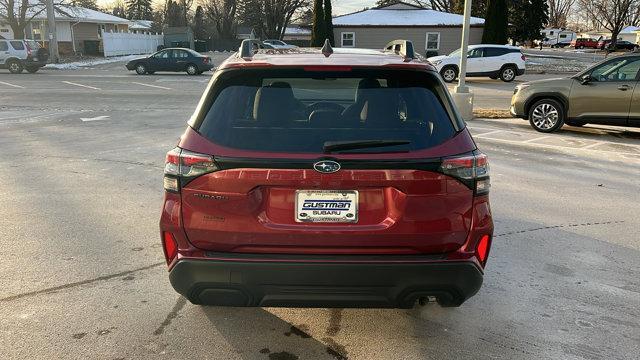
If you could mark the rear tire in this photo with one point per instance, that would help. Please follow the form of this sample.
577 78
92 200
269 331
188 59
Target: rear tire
192 69
508 73
141 69
546 115
32 69
15 67
449 73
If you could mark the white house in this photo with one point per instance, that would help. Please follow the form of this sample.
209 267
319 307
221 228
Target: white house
430 31
78 29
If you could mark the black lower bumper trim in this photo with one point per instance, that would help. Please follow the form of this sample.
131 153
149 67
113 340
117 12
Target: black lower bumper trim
312 284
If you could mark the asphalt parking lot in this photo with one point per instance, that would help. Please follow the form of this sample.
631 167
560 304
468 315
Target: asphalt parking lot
83 273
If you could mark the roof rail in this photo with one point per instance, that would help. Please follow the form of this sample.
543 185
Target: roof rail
248 48
401 47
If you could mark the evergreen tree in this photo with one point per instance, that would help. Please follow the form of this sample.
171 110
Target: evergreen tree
328 22
496 23
318 33
199 30
527 18
119 11
175 16
478 7
89 4
139 9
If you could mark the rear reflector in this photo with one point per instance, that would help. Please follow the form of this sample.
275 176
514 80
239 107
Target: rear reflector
170 246
483 249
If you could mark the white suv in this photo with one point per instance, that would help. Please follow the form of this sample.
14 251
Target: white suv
17 55
494 61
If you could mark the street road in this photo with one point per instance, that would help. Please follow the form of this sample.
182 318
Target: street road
83 274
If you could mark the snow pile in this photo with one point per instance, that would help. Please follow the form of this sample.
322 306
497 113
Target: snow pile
91 62
382 17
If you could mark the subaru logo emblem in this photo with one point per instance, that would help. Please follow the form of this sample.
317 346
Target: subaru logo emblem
326 166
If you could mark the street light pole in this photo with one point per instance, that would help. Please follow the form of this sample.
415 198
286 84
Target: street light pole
52 33
461 94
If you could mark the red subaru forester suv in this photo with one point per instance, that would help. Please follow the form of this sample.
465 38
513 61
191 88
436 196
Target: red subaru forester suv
326 178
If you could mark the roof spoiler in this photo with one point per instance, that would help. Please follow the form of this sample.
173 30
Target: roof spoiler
248 48
401 47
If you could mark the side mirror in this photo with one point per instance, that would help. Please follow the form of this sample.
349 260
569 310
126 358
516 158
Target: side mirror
585 79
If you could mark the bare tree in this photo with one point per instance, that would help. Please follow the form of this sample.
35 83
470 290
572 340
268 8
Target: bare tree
223 15
559 11
610 14
270 18
19 13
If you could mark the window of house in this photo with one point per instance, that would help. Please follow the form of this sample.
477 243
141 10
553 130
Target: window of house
348 39
433 41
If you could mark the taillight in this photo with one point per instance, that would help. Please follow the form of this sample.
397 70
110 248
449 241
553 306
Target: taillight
524 58
170 246
482 250
183 165
205 60
28 49
472 170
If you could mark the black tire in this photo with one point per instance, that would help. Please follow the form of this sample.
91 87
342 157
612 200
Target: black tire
508 73
141 69
546 115
15 66
191 69
449 73
32 69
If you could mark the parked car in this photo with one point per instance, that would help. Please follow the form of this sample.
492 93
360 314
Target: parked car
494 61
18 55
172 59
620 45
603 94
581 43
326 178
279 44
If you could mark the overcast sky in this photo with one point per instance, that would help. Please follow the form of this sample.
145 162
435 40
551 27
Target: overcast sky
339 6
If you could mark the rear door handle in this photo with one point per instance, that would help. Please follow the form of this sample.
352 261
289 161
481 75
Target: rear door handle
624 87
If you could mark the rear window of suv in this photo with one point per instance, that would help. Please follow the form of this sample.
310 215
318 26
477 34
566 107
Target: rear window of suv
18 45
291 110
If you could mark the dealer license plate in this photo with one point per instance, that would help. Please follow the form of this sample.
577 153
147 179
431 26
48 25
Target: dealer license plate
326 206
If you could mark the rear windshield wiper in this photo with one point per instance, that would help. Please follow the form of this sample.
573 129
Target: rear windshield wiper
331 146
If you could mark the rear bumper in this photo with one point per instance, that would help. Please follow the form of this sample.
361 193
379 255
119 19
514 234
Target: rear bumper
324 284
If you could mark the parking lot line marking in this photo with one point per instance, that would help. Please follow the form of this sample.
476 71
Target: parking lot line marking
153 86
97 118
12 85
488 133
598 143
84 86
536 139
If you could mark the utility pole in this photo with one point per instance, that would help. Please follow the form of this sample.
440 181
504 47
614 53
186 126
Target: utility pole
461 94
51 29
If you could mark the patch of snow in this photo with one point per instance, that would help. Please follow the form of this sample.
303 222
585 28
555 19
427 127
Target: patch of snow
382 17
91 62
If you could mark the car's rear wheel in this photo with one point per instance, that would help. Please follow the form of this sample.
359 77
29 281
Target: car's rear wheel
449 73
15 67
192 69
141 69
32 69
508 74
546 115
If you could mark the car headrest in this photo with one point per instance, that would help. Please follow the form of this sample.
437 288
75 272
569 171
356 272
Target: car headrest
274 103
363 86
